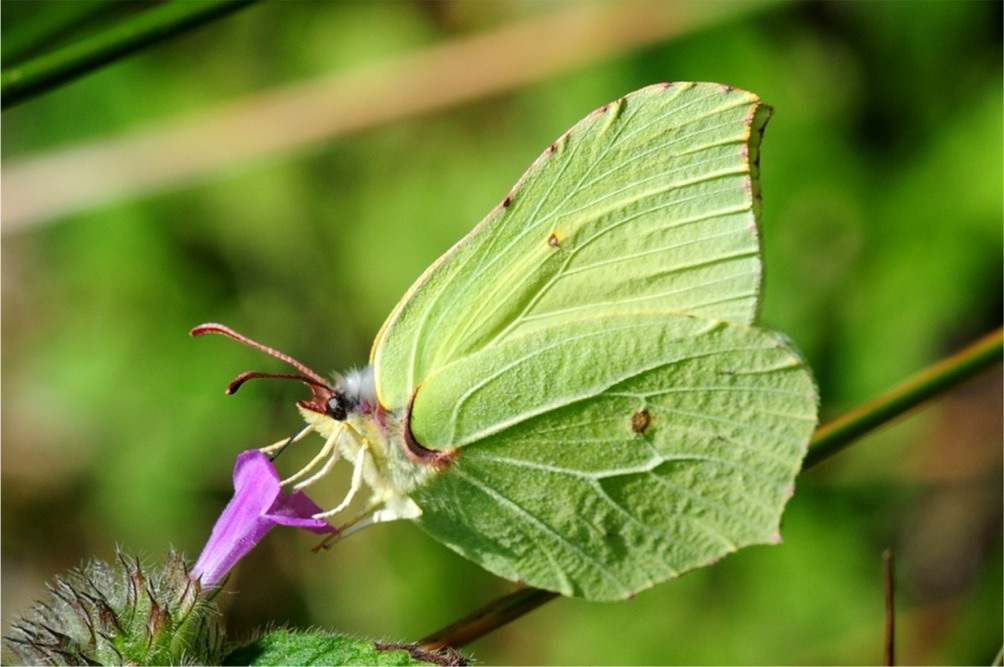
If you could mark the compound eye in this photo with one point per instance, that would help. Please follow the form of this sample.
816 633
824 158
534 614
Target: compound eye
336 408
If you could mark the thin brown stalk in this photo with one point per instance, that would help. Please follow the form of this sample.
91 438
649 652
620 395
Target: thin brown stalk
889 644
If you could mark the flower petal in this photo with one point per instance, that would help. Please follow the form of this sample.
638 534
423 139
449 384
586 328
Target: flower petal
252 468
297 510
258 505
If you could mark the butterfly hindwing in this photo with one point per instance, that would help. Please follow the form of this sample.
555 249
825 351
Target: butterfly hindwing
601 479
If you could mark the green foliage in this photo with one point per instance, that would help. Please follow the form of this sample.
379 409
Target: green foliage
284 647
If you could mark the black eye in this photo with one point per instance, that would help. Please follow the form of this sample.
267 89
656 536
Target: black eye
336 408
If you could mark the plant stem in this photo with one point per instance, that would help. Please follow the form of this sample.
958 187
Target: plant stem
46 24
490 617
47 71
933 380
827 441
889 643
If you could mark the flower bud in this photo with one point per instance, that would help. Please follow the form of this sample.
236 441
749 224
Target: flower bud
124 613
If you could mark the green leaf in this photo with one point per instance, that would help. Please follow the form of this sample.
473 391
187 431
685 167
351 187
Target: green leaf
285 647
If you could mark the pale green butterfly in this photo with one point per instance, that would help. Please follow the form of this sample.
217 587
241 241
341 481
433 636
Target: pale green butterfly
577 394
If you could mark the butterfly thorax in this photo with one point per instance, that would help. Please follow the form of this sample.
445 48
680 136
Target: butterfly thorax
364 427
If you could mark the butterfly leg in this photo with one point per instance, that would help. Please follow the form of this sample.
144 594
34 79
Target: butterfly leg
375 516
380 509
369 516
357 480
328 451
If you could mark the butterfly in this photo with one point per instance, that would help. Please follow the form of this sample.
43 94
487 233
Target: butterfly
578 395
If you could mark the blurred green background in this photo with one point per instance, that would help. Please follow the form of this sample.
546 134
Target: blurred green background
882 183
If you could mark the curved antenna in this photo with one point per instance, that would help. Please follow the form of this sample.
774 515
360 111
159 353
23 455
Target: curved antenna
236 383
312 378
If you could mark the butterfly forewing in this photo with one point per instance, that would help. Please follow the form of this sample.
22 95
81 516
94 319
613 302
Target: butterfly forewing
645 205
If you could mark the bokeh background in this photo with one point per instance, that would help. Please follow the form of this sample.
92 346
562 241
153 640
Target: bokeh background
292 168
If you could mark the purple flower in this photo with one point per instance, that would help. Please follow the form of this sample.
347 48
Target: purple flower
257 505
